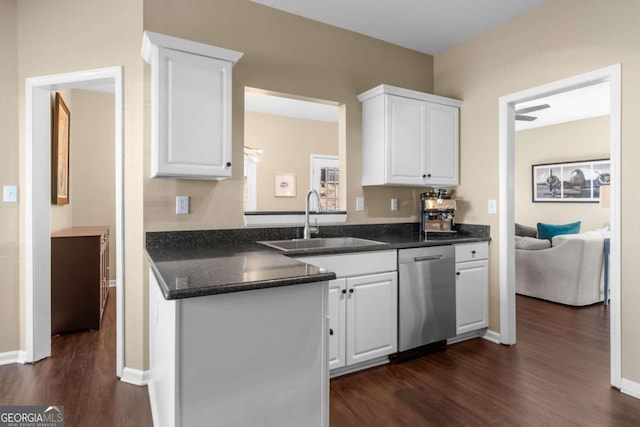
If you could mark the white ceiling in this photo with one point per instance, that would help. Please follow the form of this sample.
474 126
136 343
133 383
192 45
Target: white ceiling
591 101
257 102
428 26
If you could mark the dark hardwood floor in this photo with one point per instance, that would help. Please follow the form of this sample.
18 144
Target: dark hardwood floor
556 375
80 374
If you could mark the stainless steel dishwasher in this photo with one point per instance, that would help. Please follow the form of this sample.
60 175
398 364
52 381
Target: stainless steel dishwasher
427 296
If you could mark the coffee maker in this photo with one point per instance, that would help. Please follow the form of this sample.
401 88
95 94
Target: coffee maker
437 212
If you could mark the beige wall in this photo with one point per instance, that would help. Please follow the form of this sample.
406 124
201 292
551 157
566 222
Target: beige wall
60 36
586 139
560 39
287 145
93 164
288 54
9 175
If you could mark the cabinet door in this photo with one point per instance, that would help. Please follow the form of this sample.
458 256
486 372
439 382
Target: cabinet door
442 145
372 316
337 313
192 116
472 296
406 140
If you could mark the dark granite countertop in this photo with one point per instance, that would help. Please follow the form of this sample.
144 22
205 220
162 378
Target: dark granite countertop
185 272
197 263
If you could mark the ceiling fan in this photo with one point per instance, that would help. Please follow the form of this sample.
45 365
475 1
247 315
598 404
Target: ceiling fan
520 116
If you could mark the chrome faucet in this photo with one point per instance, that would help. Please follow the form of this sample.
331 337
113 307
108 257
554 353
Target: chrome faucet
308 229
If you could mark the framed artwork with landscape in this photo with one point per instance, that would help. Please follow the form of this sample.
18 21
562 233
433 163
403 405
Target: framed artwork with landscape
570 181
60 153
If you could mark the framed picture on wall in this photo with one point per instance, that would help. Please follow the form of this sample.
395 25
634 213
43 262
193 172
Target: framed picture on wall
284 185
60 152
570 181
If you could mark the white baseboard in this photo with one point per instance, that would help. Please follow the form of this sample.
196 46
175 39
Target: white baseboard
359 367
465 336
631 388
10 357
113 283
492 336
135 376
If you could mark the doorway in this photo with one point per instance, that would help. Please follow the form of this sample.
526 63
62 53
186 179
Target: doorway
507 114
37 169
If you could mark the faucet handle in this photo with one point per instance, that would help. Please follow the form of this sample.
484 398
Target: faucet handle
316 227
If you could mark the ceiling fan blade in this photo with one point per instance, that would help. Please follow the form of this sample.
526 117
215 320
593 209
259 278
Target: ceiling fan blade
525 118
532 109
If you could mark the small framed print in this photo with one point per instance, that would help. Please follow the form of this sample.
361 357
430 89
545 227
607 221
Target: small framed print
284 185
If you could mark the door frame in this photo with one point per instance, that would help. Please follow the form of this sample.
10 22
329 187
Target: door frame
37 179
506 123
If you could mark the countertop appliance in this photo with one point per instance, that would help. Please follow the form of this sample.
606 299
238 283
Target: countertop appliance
426 296
437 212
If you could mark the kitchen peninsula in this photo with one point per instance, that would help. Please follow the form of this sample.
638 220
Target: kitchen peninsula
239 331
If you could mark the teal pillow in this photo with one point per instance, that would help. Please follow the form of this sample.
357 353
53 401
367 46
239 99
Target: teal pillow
548 231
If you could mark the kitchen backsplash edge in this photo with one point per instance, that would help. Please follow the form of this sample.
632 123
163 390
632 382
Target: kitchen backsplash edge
244 235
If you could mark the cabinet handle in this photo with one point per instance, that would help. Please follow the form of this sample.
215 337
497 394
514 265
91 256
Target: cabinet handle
428 175
330 331
351 290
228 164
473 252
457 273
424 175
344 291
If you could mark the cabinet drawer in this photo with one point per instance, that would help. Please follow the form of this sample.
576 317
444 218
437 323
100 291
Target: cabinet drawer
355 264
472 251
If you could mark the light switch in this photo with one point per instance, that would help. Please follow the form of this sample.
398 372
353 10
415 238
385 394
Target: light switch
182 205
359 204
492 206
10 194
394 204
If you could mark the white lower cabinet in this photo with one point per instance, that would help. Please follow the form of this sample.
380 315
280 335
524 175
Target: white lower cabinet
472 287
363 307
372 317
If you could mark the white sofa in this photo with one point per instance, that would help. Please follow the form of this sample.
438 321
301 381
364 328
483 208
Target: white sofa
567 270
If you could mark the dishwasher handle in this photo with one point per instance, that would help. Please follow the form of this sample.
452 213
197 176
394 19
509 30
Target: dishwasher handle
428 258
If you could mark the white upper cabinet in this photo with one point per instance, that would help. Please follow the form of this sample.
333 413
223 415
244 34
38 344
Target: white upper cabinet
190 107
409 138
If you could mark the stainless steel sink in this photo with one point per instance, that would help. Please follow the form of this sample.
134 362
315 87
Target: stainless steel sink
320 243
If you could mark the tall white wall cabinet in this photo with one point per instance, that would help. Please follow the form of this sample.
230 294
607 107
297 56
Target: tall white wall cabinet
190 107
409 138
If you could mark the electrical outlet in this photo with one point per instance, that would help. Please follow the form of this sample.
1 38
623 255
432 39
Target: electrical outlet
492 206
182 205
10 194
359 204
394 204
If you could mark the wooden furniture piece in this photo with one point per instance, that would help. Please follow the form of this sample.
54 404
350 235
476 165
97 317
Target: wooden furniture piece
79 278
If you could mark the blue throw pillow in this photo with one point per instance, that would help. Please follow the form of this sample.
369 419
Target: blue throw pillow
548 231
